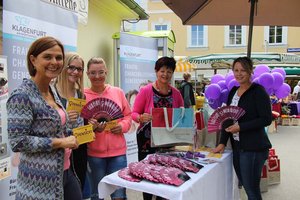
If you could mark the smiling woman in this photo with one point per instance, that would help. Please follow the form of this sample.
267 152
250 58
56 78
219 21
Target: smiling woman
37 128
70 84
154 95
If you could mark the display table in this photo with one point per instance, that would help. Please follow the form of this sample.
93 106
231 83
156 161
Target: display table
213 181
295 108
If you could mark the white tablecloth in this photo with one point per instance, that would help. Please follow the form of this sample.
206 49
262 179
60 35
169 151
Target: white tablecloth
212 182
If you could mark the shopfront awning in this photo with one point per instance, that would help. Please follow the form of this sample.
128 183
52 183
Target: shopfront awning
184 66
290 62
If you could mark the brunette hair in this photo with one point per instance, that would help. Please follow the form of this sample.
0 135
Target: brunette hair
246 63
168 62
38 46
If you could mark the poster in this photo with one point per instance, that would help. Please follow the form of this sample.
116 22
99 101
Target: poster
137 61
23 22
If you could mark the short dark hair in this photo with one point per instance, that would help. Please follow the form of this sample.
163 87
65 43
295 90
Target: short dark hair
38 46
245 62
166 61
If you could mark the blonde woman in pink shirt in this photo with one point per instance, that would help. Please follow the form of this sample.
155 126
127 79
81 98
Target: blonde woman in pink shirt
154 95
107 153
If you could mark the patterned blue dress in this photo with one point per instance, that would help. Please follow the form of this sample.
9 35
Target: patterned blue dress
31 125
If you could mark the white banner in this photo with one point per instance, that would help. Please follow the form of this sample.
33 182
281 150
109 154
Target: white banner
26 21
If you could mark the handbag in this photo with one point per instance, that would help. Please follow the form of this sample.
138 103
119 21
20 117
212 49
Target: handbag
172 126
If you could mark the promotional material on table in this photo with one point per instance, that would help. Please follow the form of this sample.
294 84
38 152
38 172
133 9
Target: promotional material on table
84 134
223 117
171 126
76 104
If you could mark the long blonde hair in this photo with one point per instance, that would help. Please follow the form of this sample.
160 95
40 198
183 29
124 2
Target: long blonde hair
61 81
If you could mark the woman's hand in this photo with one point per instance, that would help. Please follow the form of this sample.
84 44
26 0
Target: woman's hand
99 127
66 142
219 149
146 117
73 115
233 128
116 130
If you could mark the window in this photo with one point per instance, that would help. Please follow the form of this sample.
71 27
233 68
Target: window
235 35
160 27
197 36
276 35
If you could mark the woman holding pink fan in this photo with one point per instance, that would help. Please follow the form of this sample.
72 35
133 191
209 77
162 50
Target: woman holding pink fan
248 137
107 153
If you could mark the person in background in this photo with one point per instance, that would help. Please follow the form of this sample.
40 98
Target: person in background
296 91
70 84
107 153
154 95
248 136
187 91
130 96
36 124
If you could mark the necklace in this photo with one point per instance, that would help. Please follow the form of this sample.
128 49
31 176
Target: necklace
158 89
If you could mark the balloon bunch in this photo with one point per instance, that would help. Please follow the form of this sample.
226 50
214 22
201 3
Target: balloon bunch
272 80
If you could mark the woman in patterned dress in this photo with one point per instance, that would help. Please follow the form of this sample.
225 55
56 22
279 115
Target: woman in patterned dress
37 128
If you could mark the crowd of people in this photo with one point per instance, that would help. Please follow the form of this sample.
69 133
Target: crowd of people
52 163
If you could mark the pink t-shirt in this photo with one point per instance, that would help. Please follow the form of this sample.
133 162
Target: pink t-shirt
67 150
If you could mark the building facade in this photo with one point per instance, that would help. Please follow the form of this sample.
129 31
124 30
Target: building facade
199 40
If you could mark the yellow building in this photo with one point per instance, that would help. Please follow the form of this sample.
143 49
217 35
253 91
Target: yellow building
202 40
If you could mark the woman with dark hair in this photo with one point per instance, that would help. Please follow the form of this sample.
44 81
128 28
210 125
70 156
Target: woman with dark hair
248 136
154 95
37 124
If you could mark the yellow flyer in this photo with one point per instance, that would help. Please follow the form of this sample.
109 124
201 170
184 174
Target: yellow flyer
111 124
5 168
76 104
84 134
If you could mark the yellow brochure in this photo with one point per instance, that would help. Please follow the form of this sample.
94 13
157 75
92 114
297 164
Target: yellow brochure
110 125
214 155
76 104
84 134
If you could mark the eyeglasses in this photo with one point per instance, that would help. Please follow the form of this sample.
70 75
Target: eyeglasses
95 73
73 68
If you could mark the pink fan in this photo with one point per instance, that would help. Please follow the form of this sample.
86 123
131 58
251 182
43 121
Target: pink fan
125 174
173 176
102 109
224 117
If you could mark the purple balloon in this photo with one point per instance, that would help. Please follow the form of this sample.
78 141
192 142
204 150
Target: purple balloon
280 70
260 69
270 91
232 83
255 80
214 104
213 91
228 79
266 80
278 80
224 95
222 85
216 78
283 91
